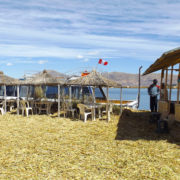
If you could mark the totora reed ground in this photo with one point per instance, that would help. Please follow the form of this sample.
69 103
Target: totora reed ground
47 147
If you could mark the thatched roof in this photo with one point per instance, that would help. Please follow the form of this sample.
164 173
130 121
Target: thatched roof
93 79
167 59
6 80
43 78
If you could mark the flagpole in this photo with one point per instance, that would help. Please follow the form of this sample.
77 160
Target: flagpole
98 63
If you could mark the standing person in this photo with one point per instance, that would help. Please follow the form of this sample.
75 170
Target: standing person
153 91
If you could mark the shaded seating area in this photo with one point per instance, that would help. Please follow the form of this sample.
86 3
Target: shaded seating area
94 80
169 65
83 106
4 82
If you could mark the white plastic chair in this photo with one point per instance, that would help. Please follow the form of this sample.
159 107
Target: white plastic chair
110 109
68 108
25 108
84 111
2 104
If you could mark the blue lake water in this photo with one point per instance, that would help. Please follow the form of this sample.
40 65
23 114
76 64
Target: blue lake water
131 94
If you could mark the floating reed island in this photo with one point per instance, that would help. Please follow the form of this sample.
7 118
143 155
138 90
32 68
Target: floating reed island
48 147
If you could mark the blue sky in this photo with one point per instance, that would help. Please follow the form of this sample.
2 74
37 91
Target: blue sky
71 35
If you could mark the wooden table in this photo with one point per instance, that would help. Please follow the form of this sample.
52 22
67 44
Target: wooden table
94 107
10 103
42 106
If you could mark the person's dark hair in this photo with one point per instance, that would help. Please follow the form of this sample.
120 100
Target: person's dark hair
155 81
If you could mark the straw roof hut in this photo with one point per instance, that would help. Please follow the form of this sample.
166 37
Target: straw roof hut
6 80
166 106
93 79
167 59
43 78
96 79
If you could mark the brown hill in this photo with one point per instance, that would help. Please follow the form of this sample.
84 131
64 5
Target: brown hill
127 79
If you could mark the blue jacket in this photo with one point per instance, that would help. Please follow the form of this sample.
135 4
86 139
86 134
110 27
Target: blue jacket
153 90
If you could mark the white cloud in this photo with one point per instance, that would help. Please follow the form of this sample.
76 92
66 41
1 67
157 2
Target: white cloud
9 64
42 61
93 53
80 57
85 29
86 60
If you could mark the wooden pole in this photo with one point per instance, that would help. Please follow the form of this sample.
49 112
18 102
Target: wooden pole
107 106
178 85
139 86
28 92
170 90
70 94
17 99
162 76
5 101
165 86
59 96
94 99
121 101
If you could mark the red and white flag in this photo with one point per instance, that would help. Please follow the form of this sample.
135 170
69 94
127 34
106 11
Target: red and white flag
103 62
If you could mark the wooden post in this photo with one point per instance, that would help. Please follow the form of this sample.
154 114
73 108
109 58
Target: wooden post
107 106
162 76
121 101
28 92
70 94
17 99
165 86
94 99
5 101
59 96
139 86
178 85
170 90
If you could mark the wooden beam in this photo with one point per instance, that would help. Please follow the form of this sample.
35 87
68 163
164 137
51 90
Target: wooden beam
5 99
59 96
107 105
121 100
94 101
165 86
173 69
18 99
178 85
139 86
162 76
170 90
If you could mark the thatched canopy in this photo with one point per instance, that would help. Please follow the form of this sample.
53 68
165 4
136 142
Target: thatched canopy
43 78
167 59
93 79
6 80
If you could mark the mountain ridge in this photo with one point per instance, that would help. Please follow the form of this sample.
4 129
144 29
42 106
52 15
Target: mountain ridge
126 79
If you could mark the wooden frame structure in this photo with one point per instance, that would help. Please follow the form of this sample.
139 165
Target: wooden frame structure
168 108
95 79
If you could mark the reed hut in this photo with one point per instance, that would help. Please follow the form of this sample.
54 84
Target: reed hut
95 79
45 78
168 62
6 81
